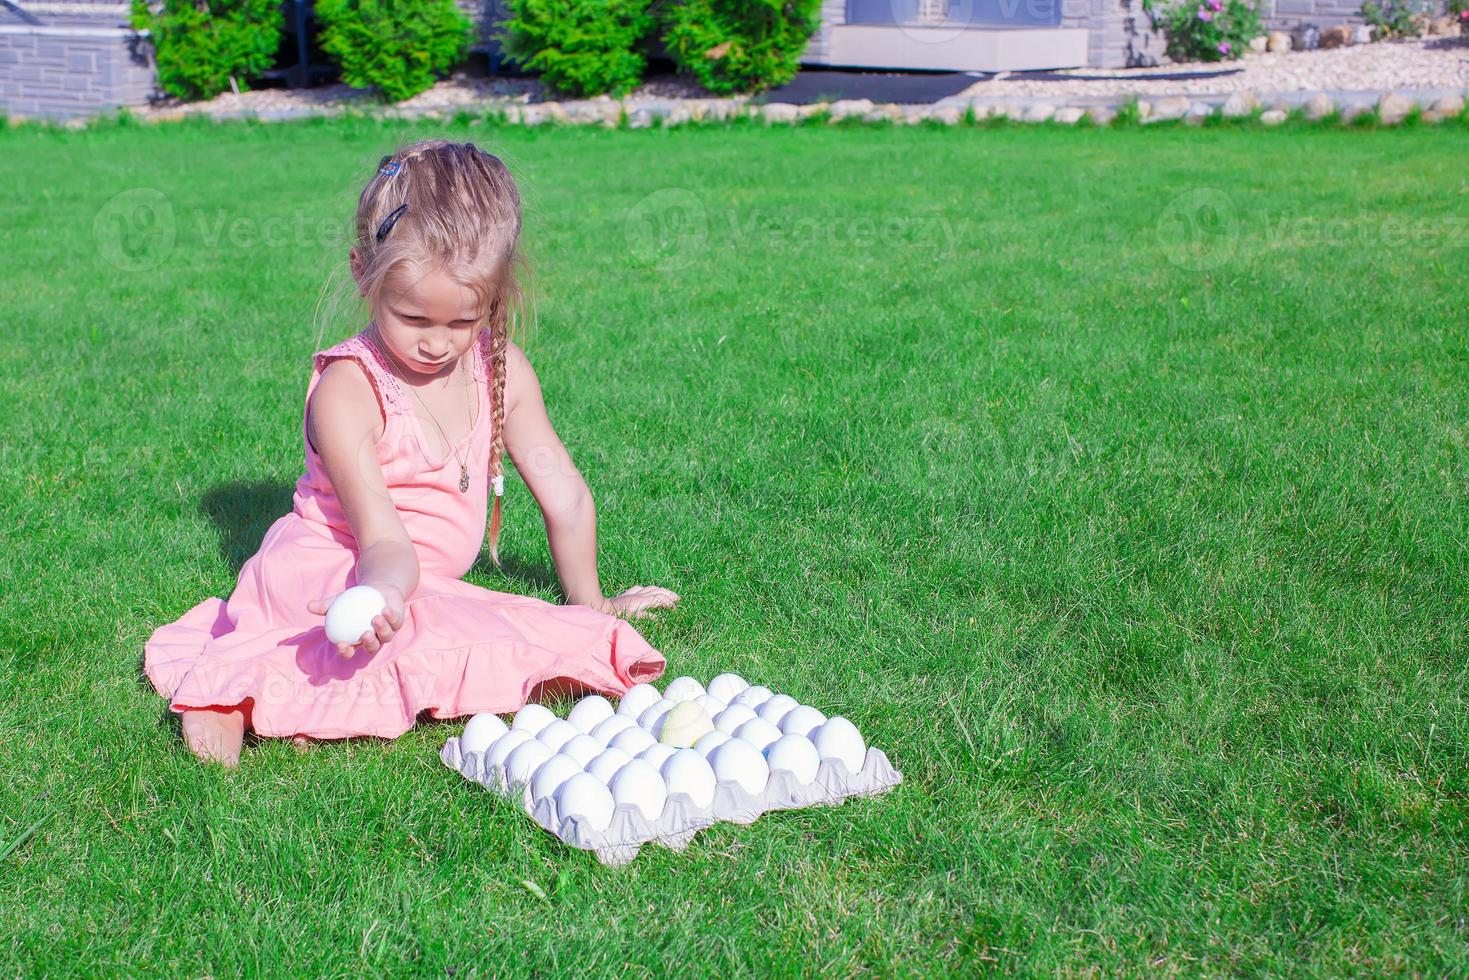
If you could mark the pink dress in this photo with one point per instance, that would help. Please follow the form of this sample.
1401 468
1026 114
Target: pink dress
462 649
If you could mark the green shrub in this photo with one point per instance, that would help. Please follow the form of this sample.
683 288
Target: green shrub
1394 18
201 45
401 46
733 46
580 48
1208 30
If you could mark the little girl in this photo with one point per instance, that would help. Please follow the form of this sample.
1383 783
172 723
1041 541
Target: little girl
405 425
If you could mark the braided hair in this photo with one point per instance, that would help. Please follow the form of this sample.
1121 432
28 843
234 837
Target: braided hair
463 214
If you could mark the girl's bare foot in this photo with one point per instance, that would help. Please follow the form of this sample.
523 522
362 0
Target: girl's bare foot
215 736
301 742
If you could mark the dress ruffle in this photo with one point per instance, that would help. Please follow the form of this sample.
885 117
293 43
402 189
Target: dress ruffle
291 681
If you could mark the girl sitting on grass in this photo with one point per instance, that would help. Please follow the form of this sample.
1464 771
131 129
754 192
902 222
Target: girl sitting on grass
405 426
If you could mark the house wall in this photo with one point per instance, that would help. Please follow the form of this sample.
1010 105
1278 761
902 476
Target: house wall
1286 15
1123 34
80 59
1120 33
818 49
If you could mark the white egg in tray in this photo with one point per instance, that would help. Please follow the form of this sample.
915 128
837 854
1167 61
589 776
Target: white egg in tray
659 767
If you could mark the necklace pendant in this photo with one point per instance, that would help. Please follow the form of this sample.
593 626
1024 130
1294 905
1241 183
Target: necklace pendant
463 479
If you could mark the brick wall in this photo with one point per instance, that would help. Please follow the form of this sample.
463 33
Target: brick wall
1289 14
818 49
80 59
1122 33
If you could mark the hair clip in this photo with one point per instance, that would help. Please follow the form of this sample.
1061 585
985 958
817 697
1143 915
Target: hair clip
390 168
390 221
499 484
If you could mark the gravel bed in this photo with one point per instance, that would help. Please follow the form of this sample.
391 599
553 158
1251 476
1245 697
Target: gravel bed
1432 62
458 92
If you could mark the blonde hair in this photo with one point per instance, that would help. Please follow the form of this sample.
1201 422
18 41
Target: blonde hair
463 215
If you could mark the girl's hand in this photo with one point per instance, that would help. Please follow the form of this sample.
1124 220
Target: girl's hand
384 625
636 601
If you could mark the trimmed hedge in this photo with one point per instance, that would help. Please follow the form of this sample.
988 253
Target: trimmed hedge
202 46
581 47
400 46
733 46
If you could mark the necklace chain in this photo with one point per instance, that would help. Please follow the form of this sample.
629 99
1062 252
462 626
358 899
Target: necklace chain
463 467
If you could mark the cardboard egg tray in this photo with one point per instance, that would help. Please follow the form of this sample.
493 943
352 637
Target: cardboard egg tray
681 817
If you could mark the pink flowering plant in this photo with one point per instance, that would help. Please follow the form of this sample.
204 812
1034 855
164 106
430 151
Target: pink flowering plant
1459 10
1208 30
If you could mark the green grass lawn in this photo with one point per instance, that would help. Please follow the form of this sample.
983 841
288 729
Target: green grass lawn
1137 542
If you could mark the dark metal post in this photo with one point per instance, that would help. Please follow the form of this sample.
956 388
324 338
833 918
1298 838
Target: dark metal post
303 70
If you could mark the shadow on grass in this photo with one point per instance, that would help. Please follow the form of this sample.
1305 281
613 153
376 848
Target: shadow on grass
243 512
522 576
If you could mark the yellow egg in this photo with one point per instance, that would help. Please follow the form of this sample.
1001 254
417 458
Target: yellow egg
685 723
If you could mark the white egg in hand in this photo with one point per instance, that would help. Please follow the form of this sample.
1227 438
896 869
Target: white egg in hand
584 796
777 708
531 719
683 689
638 783
521 764
549 777
733 717
582 749
753 697
632 741
802 720
589 712
350 614
794 754
688 772
738 761
557 734
605 766
606 731
839 739
726 686
656 755
637 700
481 731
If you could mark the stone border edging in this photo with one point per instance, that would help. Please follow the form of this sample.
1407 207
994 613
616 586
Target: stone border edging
1273 108
1393 106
